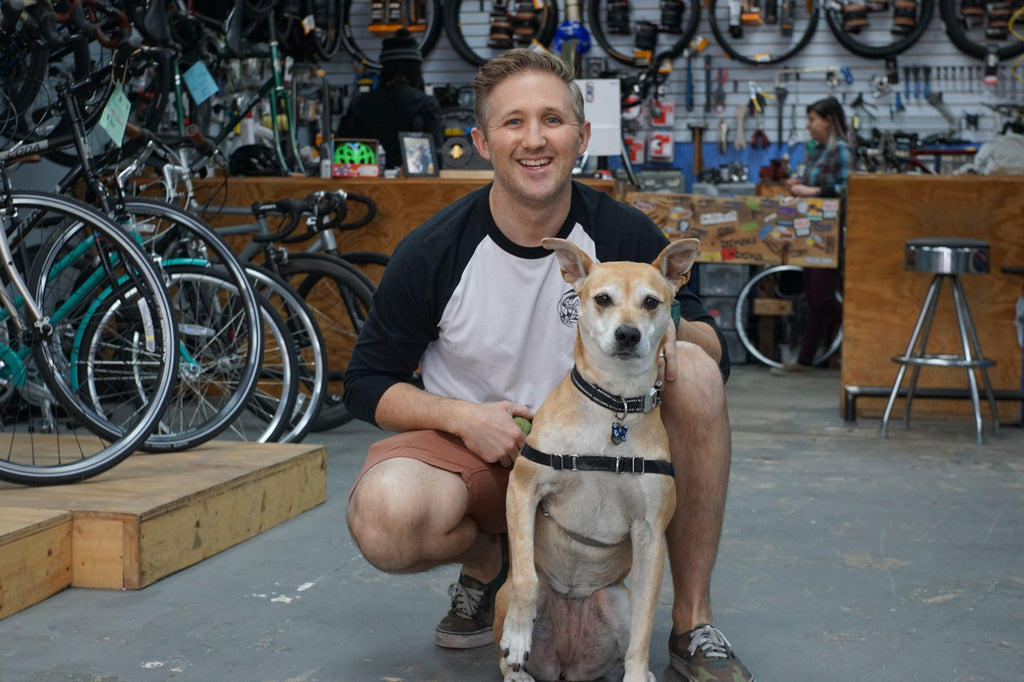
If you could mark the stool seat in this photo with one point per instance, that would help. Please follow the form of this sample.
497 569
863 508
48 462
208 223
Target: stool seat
947 258
946 255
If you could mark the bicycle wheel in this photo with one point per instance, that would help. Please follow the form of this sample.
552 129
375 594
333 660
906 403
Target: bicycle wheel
479 31
176 238
874 34
630 33
327 34
339 300
370 263
973 31
365 24
220 360
305 337
751 39
771 311
98 290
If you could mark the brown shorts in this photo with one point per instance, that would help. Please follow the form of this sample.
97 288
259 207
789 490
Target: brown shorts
486 482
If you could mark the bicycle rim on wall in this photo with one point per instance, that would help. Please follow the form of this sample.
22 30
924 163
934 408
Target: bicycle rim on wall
365 25
635 33
879 28
976 32
758 38
480 30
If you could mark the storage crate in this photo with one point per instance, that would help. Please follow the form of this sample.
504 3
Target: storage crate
720 279
737 351
723 309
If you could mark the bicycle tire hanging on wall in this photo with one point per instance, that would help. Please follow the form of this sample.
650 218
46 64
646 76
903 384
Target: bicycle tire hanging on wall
362 31
677 20
479 31
980 40
751 38
855 31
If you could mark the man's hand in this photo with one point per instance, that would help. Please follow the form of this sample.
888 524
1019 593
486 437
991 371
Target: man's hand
489 430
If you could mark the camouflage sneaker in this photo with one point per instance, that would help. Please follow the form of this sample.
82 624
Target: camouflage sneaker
705 655
470 622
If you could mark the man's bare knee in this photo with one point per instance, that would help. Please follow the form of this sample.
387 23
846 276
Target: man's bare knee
379 523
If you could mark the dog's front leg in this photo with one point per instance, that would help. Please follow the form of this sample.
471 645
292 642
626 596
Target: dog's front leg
520 507
645 583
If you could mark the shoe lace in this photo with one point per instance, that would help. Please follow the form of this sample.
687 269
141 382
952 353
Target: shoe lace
465 600
711 642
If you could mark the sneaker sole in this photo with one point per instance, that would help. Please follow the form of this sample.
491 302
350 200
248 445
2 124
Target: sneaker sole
679 666
451 640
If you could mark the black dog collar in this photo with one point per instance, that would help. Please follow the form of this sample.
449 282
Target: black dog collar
618 465
616 403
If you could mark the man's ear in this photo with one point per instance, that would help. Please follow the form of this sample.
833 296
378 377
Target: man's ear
584 138
480 142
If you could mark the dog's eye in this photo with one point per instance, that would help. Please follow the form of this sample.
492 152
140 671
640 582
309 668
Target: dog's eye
651 303
603 300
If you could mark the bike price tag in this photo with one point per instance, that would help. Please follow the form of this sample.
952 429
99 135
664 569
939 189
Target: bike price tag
114 118
200 83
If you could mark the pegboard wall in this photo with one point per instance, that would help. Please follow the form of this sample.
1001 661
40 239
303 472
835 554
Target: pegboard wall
953 74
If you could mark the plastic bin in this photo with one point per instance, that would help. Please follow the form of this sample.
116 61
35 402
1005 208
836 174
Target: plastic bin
720 279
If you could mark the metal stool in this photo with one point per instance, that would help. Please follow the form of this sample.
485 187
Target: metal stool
947 257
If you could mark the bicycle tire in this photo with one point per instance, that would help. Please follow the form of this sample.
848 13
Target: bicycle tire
473 47
305 337
949 10
44 422
327 35
801 37
174 237
789 326
339 299
860 47
370 263
367 54
222 353
596 20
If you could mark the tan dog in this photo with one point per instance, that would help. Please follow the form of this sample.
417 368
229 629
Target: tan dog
590 496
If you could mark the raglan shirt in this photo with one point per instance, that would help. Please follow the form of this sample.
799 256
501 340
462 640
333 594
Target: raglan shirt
483 318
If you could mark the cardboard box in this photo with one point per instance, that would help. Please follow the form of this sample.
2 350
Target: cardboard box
749 230
361 150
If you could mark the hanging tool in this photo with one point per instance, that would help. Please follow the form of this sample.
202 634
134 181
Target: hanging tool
780 98
707 87
859 103
760 138
698 148
723 136
720 91
739 142
906 82
756 105
916 70
793 133
927 81
689 80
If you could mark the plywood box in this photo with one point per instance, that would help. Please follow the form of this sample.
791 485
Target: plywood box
35 556
749 230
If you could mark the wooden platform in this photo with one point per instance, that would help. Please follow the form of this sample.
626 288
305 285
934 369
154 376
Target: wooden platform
149 516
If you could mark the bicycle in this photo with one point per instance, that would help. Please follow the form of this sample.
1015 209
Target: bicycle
479 31
770 312
364 25
749 32
337 293
87 340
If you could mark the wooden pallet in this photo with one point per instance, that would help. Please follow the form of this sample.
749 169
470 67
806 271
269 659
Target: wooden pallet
149 516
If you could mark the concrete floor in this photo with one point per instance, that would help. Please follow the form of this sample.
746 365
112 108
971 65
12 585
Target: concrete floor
844 557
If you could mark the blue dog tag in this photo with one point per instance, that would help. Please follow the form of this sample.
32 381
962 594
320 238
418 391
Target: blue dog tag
619 432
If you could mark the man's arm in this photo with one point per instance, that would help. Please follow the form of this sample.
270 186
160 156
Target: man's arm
487 429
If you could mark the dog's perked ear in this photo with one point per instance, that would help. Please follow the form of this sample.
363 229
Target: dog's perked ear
676 260
574 263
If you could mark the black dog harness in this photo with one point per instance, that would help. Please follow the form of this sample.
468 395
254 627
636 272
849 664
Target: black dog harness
620 406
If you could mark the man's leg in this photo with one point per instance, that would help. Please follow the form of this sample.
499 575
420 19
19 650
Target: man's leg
700 442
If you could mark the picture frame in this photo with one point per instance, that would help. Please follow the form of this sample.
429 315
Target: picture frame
419 158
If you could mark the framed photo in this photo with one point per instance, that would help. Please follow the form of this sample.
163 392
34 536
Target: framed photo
418 155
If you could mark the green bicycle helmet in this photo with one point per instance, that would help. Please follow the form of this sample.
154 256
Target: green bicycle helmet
354 152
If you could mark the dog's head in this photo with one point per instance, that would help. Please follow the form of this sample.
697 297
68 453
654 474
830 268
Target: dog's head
625 308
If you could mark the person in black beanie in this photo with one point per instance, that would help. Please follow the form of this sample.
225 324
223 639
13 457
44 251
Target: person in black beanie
397 104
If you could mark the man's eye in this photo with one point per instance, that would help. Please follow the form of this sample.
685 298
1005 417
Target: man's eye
603 300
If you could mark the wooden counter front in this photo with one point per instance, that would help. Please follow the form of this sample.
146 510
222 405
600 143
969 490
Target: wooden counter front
402 203
882 300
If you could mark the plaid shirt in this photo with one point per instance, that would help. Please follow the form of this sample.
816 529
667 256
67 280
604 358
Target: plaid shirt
828 167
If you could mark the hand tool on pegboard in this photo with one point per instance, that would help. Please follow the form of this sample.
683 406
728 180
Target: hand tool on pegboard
689 80
781 93
720 91
723 136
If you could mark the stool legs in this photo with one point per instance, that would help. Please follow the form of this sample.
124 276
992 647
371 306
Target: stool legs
972 356
924 321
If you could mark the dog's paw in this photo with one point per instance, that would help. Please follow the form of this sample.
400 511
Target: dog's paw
515 650
521 676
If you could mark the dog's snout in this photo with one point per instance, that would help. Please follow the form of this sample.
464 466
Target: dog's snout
627 336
